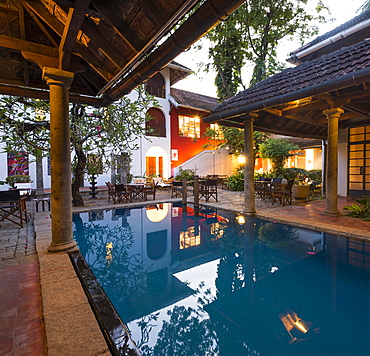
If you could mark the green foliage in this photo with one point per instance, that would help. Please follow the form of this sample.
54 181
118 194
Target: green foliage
235 181
233 139
276 236
106 131
360 210
315 175
278 151
185 173
12 180
250 36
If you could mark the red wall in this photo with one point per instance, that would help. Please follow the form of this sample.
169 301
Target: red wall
185 145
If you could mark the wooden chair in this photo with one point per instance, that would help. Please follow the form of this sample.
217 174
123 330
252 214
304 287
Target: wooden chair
111 190
150 189
13 207
176 189
282 192
122 194
208 190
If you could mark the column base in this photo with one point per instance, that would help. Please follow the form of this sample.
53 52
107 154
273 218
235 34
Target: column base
249 212
332 213
65 247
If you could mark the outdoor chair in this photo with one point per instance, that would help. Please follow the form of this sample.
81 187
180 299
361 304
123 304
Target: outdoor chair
150 189
208 189
282 192
176 189
111 190
122 194
13 207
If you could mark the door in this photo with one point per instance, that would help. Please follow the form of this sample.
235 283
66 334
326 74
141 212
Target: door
359 161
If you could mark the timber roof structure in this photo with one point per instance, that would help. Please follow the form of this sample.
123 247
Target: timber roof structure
111 46
193 100
292 102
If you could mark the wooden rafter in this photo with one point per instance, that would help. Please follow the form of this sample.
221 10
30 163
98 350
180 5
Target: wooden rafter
72 26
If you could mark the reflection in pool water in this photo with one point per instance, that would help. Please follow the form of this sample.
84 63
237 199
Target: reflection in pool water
215 284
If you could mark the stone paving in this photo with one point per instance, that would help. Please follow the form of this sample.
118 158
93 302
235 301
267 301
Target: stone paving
17 245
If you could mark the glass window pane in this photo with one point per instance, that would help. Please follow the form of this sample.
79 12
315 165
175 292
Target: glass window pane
355 186
355 178
354 170
367 163
356 162
356 147
367 128
357 138
356 130
367 186
357 154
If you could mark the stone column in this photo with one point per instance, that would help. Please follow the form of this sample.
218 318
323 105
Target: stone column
59 82
249 205
332 162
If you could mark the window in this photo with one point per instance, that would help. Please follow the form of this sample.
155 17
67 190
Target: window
155 86
156 125
219 135
189 126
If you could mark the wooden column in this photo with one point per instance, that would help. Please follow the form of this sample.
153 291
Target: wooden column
59 82
249 204
332 162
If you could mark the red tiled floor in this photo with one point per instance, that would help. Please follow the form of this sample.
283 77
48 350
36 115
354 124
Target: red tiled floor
21 327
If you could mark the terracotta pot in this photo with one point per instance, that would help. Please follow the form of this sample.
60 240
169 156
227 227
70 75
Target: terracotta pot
301 191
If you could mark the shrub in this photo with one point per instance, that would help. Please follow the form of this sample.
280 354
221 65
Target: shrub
360 210
185 173
235 181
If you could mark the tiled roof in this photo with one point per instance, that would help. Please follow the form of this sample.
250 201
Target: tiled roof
193 100
307 75
361 17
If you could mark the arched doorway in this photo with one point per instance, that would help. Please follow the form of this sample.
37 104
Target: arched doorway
156 161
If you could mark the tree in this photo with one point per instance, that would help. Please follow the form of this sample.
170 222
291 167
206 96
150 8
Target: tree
106 132
23 128
278 151
233 139
251 36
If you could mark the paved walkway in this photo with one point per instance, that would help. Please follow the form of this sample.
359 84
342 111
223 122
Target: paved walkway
24 273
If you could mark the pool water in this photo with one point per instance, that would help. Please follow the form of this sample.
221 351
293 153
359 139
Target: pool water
214 283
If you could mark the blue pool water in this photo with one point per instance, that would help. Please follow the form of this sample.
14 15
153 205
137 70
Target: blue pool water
215 283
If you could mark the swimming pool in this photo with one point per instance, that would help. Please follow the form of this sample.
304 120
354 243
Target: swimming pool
215 283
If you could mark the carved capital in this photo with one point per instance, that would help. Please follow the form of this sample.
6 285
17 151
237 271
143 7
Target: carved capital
55 76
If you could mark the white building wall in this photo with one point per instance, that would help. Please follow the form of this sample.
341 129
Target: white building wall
209 162
343 162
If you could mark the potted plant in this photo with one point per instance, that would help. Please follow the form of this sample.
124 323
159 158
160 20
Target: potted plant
13 180
301 188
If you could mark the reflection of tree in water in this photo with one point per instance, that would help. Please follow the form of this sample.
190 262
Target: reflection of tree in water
121 274
276 236
270 248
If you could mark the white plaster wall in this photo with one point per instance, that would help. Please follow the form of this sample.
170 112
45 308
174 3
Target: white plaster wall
343 162
209 162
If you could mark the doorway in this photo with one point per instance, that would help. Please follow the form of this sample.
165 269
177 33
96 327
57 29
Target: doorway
359 161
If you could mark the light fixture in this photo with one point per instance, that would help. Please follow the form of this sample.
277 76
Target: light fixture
295 326
241 159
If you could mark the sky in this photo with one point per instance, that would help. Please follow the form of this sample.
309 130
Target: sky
203 83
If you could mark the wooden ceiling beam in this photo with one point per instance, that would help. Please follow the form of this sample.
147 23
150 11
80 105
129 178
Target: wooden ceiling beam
22 45
88 27
6 10
357 107
318 104
72 26
44 94
155 11
111 15
39 24
58 28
